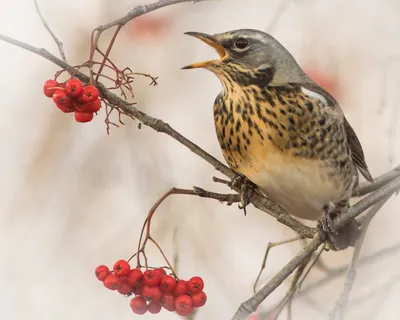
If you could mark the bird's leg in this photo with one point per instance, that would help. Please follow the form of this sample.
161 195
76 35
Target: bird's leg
347 235
245 192
246 188
326 220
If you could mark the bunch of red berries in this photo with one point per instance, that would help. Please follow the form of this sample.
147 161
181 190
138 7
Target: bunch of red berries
153 289
73 96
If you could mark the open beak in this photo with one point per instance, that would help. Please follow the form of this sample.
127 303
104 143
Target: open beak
211 42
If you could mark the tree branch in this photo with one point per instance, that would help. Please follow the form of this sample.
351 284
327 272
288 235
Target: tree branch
379 182
249 306
257 199
339 309
47 27
141 10
367 202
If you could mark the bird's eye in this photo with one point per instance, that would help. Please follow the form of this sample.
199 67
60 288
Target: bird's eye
241 43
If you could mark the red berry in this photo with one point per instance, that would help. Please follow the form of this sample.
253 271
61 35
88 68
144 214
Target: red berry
154 307
195 285
167 283
184 312
184 305
89 94
137 289
63 102
49 88
151 293
161 272
168 301
151 278
181 288
199 299
112 282
125 288
65 109
74 87
80 100
138 305
83 116
122 268
102 272
135 277
90 106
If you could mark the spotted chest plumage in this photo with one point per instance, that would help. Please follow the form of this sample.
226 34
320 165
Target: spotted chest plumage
287 141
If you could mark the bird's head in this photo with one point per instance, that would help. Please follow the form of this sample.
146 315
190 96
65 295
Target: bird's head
248 56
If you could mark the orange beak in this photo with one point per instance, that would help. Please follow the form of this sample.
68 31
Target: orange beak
211 42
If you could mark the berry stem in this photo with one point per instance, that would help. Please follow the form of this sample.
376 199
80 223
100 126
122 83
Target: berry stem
114 37
165 258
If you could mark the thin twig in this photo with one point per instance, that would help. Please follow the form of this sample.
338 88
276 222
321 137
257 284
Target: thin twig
294 289
141 10
119 23
270 245
229 198
339 310
339 271
368 187
250 305
46 25
257 199
367 202
276 311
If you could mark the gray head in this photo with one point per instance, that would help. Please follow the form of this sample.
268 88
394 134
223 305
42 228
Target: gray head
253 52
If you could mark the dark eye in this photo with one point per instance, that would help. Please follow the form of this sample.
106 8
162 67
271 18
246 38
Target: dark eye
241 43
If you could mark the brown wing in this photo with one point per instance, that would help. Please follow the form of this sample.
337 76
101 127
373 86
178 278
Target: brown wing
357 153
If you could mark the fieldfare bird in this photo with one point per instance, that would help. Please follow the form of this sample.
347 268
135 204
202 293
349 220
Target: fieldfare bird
279 129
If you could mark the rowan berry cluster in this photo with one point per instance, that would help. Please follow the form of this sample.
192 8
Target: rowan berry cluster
73 96
153 289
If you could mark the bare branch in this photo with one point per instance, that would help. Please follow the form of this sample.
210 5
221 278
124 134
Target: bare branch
334 273
380 181
339 309
45 24
276 311
140 10
249 306
257 198
271 245
367 202
228 198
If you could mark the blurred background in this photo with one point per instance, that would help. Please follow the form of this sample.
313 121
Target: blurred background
73 197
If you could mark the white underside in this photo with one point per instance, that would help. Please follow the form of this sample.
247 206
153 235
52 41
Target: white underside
301 188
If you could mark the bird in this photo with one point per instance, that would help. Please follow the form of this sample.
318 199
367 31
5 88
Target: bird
279 129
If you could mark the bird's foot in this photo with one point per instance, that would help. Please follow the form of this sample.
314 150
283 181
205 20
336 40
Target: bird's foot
326 220
336 240
246 189
325 226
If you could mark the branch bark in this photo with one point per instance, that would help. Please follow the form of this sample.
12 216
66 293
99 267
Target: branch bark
379 182
339 310
47 27
257 199
251 305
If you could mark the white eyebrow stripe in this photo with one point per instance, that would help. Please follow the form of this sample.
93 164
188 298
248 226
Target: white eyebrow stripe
315 95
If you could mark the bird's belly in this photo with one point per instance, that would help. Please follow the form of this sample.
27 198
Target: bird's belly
302 186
